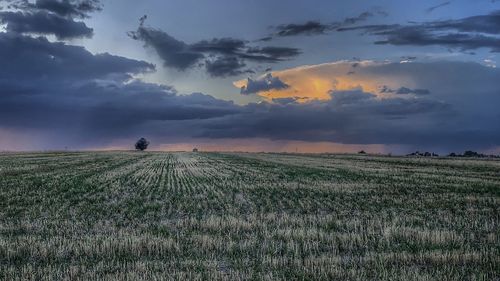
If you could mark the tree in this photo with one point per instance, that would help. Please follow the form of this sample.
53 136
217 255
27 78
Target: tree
141 144
470 153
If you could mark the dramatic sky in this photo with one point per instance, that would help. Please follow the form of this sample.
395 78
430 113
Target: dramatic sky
308 76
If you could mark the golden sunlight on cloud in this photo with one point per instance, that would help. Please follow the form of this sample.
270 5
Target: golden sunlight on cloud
317 81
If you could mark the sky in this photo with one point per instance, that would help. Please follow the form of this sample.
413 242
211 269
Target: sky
297 76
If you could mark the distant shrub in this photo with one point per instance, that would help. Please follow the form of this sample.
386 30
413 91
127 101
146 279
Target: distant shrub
473 154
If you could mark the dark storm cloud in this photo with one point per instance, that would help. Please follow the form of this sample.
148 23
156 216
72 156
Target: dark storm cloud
466 34
263 84
355 117
49 17
45 23
70 92
350 117
222 56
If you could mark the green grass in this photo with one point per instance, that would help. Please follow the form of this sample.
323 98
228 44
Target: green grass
214 216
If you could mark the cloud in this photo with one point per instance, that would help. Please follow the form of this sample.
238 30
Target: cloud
284 101
431 9
352 117
489 24
81 99
44 23
28 58
407 59
317 28
307 28
360 18
226 46
65 8
356 117
317 81
270 54
404 91
225 66
440 105
49 17
222 57
466 34
78 8
174 53
262 84
64 95
490 63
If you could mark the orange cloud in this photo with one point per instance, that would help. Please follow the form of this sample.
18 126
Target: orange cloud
317 81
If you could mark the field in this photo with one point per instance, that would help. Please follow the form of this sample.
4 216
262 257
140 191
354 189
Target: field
223 216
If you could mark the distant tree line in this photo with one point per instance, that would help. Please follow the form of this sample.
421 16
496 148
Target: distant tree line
423 154
467 153
470 153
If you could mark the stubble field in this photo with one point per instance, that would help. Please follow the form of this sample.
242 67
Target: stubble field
221 216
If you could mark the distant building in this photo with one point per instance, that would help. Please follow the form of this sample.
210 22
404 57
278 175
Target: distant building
195 149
